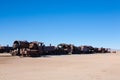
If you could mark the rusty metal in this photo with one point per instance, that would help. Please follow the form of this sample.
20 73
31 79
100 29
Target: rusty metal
50 50
25 48
65 48
87 49
4 49
20 44
35 48
19 47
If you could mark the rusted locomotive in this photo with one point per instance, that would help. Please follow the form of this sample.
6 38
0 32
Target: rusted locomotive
5 49
102 50
65 48
25 48
49 50
18 47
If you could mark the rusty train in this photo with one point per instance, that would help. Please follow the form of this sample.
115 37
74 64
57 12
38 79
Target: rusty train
4 49
33 49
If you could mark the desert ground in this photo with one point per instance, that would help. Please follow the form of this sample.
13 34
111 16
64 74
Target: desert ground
64 67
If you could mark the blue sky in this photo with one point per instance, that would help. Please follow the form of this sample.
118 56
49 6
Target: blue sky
80 22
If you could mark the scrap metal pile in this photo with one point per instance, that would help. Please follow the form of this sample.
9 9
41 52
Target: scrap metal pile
33 49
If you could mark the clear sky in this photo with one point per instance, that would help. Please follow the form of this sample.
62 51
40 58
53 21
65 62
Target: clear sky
80 22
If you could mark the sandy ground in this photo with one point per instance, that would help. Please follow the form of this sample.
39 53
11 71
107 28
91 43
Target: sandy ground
66 67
